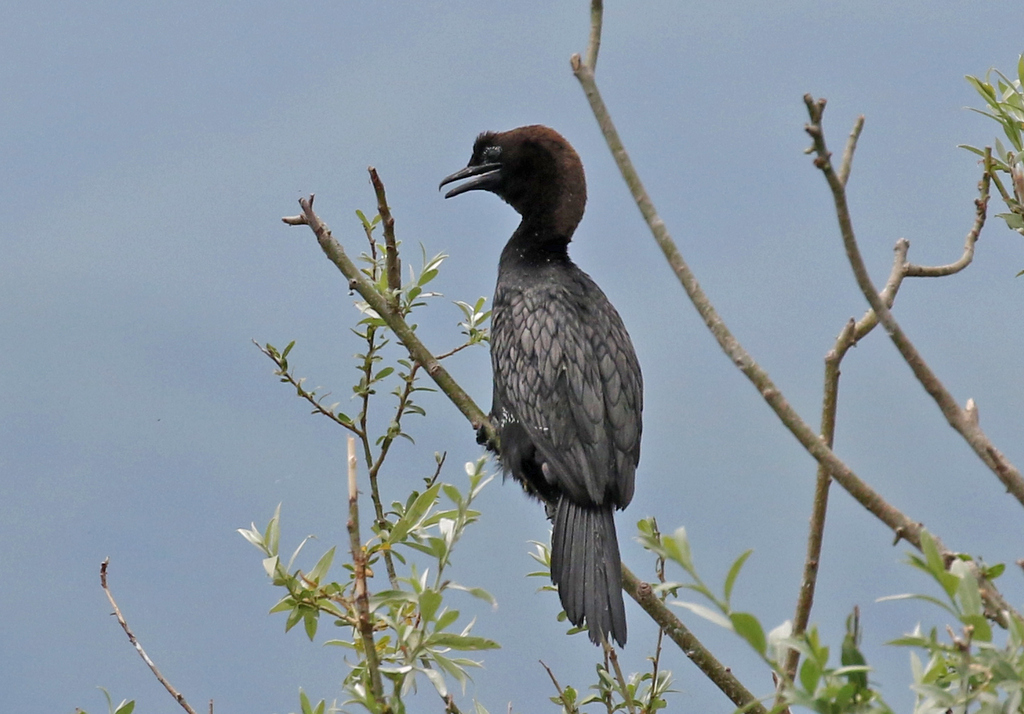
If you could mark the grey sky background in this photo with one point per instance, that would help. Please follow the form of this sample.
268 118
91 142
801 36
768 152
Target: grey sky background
149 151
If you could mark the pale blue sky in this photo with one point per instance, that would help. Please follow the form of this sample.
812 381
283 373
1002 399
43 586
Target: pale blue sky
149 150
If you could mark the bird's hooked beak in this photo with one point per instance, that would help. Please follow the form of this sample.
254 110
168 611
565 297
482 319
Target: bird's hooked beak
487 178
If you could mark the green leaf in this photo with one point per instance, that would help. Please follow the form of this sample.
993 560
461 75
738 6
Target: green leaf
705 612
391 598
453 494
430 600
461 642
1013 220
730 579
446 618
968 595
972 149
270 565
125 708
748 627
414 514
985 89
285 603
994 571
677 548
936 565
272 536
293 618
810 673
310 620
322 566
478 593
982 628
910 641
914 596
252 535
855 665
437 679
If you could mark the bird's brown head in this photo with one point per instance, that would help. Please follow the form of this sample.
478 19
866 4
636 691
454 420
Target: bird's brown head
535 170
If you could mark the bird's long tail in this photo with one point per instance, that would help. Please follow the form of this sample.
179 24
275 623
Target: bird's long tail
586 568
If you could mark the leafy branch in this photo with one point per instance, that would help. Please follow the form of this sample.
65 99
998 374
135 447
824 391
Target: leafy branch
1004 99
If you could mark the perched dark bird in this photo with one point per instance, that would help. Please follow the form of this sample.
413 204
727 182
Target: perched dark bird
567 386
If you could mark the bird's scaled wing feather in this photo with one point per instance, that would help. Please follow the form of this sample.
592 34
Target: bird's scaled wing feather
572 380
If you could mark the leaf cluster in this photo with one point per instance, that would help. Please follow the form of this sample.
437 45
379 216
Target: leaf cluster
414 627
969 670
1004 104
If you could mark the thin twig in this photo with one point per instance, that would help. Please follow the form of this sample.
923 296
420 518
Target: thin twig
389 438
955 415
374 469
614 659
437 472
558 688
851 146
287 376
373 466
980 208
361 594
391 259
816 531
659 569
454 350
178 697
594 44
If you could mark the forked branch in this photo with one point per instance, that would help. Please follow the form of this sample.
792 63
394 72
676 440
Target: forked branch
961 419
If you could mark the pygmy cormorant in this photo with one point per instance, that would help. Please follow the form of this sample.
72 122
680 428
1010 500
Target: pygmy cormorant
567 386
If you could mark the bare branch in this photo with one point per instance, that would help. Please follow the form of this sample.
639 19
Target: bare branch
178 697
394 263
955 415
594 45
980 209
816 532
851 146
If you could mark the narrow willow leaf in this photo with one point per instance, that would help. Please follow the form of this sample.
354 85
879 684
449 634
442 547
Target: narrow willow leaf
748 627
730 579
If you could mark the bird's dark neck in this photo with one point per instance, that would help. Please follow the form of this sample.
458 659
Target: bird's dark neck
535 244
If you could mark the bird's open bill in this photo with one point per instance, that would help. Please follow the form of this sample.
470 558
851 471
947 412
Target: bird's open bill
487 177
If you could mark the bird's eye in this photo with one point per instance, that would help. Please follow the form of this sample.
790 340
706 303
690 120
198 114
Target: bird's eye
492 154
